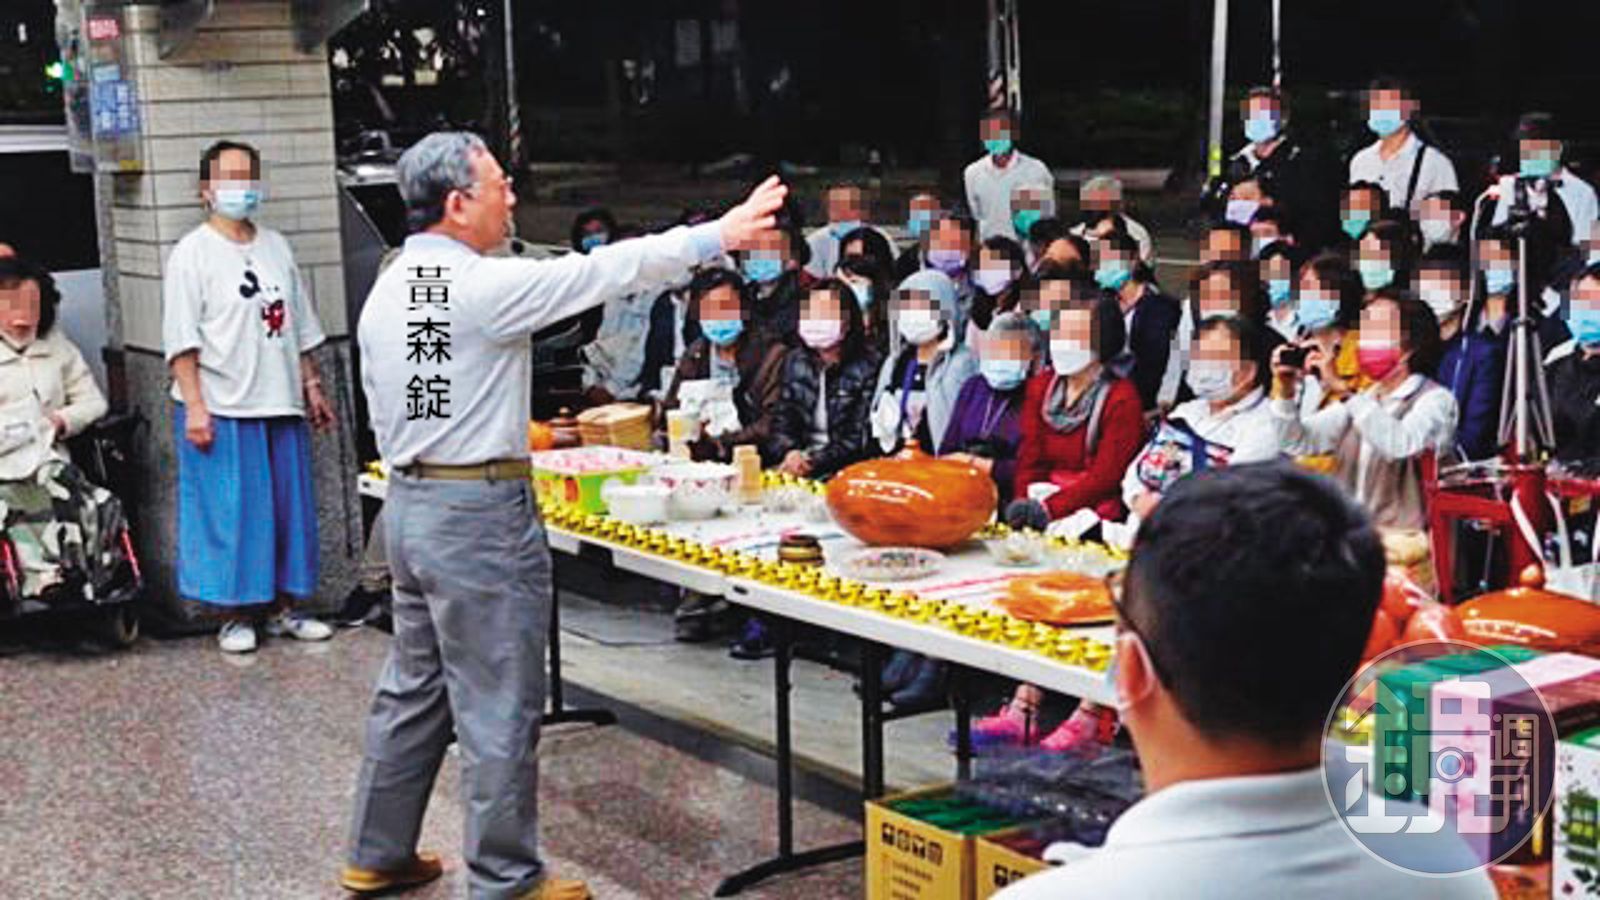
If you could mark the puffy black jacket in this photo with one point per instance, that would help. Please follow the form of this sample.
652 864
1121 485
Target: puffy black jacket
850 390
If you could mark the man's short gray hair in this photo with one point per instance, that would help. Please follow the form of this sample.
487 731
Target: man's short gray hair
433 167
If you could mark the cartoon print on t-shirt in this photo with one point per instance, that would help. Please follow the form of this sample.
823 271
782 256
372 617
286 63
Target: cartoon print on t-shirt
272 311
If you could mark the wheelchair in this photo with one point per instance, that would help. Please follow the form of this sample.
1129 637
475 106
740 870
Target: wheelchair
110 609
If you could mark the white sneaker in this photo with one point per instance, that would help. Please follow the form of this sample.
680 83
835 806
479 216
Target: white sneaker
301 628
237 637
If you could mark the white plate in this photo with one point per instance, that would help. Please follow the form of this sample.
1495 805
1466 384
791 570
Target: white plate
889 564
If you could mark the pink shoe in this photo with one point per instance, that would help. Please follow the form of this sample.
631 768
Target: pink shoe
1012 726
1090 729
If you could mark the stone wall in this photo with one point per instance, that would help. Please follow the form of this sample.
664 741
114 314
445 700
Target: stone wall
240 78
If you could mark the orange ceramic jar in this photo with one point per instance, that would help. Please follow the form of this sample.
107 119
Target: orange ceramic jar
912 500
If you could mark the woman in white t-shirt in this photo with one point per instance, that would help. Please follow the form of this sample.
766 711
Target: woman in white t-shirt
238 330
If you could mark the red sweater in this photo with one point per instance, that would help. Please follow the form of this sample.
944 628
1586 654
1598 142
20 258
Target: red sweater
1061 458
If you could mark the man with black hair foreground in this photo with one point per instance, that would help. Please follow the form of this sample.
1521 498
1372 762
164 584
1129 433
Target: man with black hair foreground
1227 708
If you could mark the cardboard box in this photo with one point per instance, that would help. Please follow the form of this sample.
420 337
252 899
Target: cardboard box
995 866
908 859
1466 728
1577 811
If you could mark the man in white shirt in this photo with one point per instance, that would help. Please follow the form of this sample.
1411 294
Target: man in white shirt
847 210
239 329
990 180
1406 168
446 362
1227 714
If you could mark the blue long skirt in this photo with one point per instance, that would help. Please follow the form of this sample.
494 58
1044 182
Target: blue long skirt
247 520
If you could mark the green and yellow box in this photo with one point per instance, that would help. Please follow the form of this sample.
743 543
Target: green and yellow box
575 478
996 866
912 859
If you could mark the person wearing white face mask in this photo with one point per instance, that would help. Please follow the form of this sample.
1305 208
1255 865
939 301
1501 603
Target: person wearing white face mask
1444 214
239 330
1473 363
1227 422
998 282
823 420
928 363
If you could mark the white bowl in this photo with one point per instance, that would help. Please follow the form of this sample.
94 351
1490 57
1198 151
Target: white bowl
698 490
636 504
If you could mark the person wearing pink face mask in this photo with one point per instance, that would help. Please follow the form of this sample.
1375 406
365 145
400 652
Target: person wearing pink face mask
1377 435
823 418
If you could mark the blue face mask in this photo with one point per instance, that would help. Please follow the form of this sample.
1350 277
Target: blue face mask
1317 312
762 269
919 223
1279 291
1261 128
1041 318
1355 225
1004 374
863 292
840 229
1023 221
1537 167
1499 280
1584 323
1384 122
236 203
1112 276
997 146
722 332
1375 273
592 240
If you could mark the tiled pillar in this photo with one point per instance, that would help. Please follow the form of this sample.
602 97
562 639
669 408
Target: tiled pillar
240 78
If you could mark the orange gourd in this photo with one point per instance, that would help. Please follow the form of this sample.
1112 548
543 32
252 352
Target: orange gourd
912 500
1534 618
540 437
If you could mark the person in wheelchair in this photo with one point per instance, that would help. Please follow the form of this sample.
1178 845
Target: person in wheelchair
62 529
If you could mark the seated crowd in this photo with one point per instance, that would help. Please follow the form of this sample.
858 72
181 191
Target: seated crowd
1361 330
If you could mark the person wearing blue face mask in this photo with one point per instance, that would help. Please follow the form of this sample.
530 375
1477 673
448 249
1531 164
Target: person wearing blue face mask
1539 162
922 211
1295 174
1150 317
1473 363
239 332
594 227
773 280
984 427
1328 297
866 264
1384 256
1360 204
1406 167
1572 372
990 180
736 349
1278 262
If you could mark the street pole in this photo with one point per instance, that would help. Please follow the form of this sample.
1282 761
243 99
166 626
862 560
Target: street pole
1219 84
1277 44
513 114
